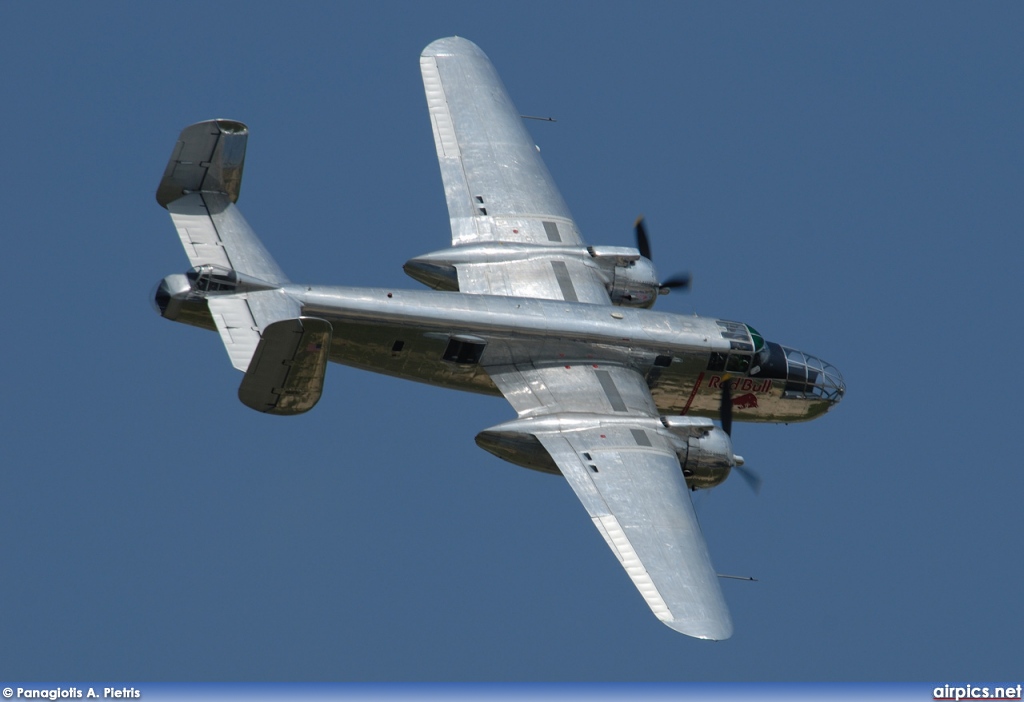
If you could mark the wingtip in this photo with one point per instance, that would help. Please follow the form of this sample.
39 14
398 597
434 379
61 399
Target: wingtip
452 46
706 630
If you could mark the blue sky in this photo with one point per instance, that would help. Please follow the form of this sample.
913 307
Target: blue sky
845 178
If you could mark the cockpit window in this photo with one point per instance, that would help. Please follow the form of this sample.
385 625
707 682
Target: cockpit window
741 338
737 334
738 363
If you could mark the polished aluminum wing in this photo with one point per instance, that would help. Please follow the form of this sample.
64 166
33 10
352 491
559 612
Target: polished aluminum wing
497 187
599 425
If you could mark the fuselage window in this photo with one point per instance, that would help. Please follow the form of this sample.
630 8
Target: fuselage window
464 351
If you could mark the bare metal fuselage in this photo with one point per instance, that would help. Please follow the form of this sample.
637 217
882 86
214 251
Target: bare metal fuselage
408 334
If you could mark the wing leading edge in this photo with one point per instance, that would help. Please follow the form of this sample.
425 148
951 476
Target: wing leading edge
604 436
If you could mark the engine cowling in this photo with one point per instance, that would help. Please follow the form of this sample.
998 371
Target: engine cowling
633 281
707 460
634 285
704 450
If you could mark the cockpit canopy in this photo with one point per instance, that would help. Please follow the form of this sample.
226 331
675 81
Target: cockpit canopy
747 348
211 278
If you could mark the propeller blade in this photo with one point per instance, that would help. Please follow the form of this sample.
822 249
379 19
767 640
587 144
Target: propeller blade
725 408
752 479
643 244
679 280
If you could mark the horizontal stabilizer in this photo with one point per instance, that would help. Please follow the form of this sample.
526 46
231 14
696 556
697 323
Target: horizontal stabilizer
286 375
239 319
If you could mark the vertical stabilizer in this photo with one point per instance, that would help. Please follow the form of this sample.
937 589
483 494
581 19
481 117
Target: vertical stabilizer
200 187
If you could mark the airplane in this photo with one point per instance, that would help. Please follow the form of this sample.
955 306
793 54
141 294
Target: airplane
618 399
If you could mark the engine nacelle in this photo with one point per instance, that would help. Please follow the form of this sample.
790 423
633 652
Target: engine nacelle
632 280
634 285
707 460
704 450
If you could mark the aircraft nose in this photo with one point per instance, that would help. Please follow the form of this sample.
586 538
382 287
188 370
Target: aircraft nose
834 379
812 377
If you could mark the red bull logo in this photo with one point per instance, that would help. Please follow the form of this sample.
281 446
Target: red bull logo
747 401
743 385
747 388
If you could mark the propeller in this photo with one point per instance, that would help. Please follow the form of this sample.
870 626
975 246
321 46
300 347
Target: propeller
725 416
643 245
